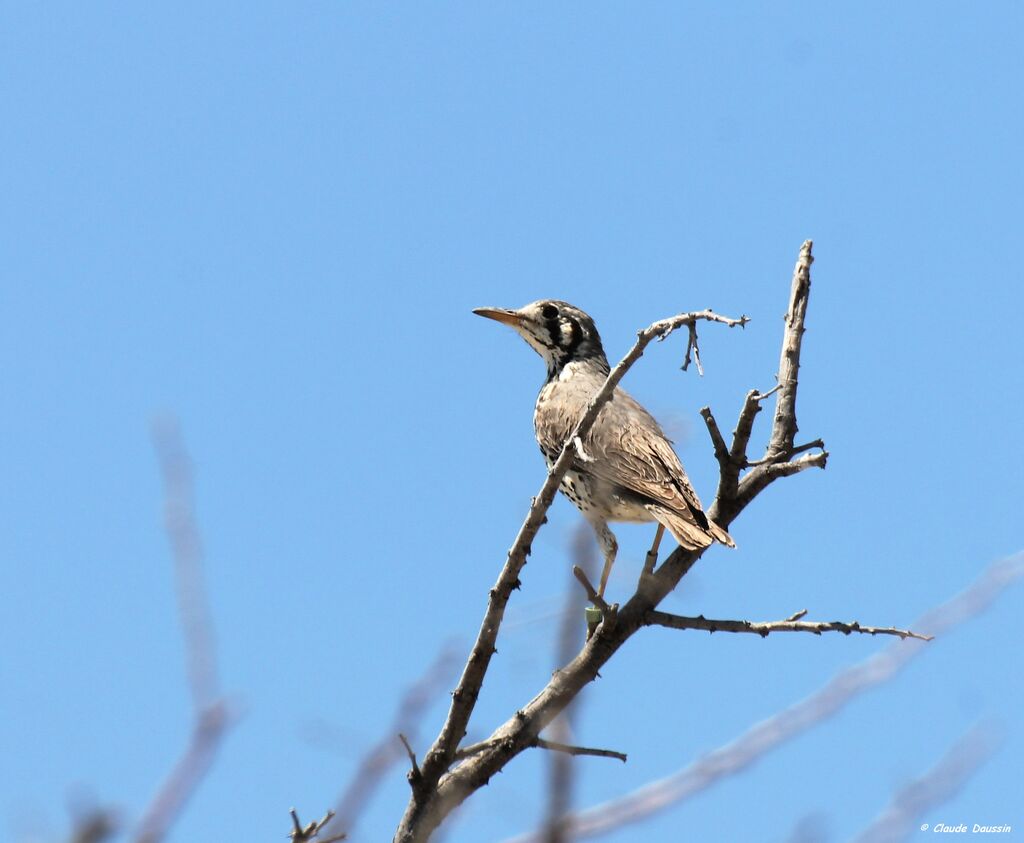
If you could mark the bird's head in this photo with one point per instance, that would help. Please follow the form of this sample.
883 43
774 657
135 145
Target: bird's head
558 332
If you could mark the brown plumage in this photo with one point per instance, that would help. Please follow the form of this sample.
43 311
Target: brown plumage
626 469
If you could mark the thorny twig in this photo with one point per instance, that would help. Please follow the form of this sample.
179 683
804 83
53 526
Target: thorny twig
765 628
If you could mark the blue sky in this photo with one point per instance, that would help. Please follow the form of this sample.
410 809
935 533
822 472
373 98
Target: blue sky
273 220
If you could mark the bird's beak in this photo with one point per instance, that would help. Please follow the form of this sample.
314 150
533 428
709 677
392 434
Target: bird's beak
499 314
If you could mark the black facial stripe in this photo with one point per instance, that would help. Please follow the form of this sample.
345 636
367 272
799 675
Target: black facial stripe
554 331
575 337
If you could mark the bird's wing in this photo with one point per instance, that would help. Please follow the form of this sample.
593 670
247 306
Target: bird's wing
628 448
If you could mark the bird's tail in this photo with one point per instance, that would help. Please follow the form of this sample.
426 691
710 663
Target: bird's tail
690 536
720 535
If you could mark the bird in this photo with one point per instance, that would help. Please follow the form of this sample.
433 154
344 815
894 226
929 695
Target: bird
624 469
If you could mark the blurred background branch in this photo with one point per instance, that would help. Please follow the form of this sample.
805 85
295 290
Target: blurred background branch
784 726
388 750
910 804
570 636
210 711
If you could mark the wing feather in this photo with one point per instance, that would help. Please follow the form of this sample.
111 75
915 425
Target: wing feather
630 449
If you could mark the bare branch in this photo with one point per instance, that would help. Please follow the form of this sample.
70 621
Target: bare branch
734 494
807 446
693 347
765 628
414 774
569 749
541 743
784 426
717 440
767 471
765 736
473 749
936 787
745 427
732 460
210 710
785 469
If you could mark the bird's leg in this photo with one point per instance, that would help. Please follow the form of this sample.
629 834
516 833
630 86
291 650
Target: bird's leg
610 547
652 554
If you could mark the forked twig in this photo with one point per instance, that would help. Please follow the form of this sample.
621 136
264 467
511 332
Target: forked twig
765 628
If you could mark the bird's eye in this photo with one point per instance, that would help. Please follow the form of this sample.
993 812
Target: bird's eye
549 311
